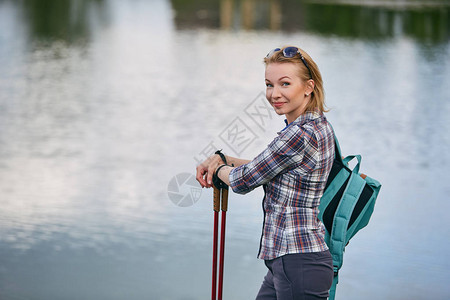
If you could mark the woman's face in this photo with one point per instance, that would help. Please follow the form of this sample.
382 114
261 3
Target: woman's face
285 91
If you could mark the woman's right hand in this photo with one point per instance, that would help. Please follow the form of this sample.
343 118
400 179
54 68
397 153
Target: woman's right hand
206 169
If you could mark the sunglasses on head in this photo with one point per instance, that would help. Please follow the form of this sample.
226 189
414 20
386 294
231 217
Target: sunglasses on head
291 52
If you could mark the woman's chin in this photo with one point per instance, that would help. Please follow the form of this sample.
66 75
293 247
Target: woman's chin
279 112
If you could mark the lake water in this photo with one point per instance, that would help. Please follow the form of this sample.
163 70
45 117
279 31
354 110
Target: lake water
106 107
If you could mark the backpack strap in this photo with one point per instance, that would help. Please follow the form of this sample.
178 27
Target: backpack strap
338 236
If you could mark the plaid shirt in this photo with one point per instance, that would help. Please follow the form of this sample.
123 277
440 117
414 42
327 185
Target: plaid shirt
293 170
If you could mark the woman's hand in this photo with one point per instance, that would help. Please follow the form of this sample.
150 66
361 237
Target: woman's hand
206 169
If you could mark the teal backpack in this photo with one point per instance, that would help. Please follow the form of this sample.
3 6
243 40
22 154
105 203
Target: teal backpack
345 207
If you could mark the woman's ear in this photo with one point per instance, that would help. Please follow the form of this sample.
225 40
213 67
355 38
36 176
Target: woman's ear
310 86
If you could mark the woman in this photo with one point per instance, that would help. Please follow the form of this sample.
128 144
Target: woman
293 171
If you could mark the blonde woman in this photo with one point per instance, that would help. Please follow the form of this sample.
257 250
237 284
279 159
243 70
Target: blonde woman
293 171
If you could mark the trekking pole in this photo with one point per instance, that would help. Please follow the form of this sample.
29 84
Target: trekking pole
222 239
216 207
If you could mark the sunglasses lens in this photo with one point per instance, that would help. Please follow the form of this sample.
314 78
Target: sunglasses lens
290 52
272 52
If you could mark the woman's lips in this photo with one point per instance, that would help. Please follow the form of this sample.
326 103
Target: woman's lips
278 104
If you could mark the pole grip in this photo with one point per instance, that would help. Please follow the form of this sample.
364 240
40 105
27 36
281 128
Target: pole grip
224 199
216 202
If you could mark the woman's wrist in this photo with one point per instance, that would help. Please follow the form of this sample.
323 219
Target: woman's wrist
220 181
219 169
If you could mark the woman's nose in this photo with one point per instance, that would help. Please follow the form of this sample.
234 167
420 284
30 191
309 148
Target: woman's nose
276 92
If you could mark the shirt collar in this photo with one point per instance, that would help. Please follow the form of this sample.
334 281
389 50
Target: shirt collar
303 118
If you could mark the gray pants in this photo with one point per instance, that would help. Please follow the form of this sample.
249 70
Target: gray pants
304 276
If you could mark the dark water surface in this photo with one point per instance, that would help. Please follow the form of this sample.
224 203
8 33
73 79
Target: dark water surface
106 107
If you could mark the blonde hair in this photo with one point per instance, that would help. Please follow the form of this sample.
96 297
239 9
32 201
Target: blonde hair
318 95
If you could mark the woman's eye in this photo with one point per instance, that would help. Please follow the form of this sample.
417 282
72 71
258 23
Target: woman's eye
285 84
269 85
